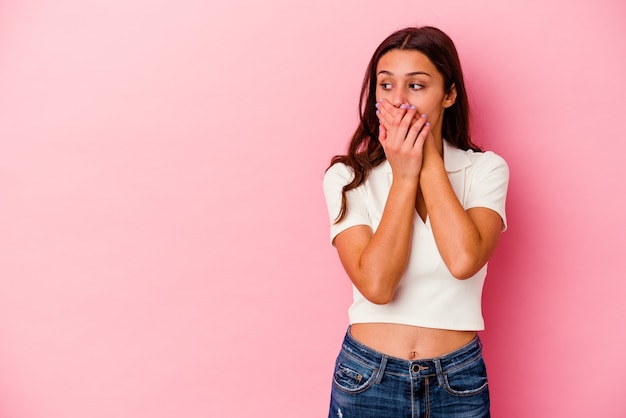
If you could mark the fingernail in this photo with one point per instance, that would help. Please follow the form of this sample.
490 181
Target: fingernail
428 124
376 105
424 115
378 113
412 107
402 106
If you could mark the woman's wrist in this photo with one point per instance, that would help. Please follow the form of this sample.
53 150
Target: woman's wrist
432 166
405 184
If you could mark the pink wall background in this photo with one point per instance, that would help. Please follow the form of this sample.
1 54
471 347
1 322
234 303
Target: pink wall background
163 236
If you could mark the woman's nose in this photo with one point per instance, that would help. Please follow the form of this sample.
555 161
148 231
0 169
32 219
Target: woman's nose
398 97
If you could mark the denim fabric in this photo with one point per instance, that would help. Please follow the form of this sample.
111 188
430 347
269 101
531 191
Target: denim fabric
369 384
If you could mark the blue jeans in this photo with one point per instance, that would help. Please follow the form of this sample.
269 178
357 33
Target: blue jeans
369 384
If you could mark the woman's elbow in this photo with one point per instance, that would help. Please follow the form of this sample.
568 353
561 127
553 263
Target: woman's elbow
378 295
465 267
379 299
462 274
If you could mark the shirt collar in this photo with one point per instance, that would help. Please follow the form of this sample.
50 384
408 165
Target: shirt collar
454 159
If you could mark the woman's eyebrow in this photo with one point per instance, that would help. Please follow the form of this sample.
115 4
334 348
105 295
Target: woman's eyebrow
411 74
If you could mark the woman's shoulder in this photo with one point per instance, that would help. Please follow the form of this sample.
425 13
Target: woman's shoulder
487 166
336 177
339 171
342 171
490 161
339 167
485 158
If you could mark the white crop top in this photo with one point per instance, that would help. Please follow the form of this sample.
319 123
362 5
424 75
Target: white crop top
427 295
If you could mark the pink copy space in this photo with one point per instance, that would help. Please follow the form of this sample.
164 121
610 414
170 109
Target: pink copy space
163 236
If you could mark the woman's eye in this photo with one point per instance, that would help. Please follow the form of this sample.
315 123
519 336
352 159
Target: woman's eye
415 86
385 86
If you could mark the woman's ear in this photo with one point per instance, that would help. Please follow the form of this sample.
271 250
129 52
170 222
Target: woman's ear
450 97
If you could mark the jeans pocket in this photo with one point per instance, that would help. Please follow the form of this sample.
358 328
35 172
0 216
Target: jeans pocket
467 380
352 375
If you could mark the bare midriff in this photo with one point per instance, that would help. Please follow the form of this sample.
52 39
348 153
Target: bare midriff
410 342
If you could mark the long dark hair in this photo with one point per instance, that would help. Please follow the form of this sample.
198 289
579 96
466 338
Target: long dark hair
364 151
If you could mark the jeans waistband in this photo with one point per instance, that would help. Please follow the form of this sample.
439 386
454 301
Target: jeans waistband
437 366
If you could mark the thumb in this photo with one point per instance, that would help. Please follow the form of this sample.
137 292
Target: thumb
382 134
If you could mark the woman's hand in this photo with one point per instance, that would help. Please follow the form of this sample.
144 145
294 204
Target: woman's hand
375 261
402 134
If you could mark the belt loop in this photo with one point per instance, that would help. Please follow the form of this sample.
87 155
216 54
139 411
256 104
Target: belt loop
381 370
439 371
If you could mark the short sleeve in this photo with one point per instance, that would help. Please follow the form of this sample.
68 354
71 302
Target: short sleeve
489 185
336 177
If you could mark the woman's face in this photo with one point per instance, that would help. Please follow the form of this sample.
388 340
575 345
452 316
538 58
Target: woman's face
408 76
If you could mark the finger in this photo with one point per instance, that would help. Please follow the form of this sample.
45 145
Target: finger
406 128
381 113
423 135
417 126
389 113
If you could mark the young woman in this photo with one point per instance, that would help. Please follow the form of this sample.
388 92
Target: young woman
416 212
